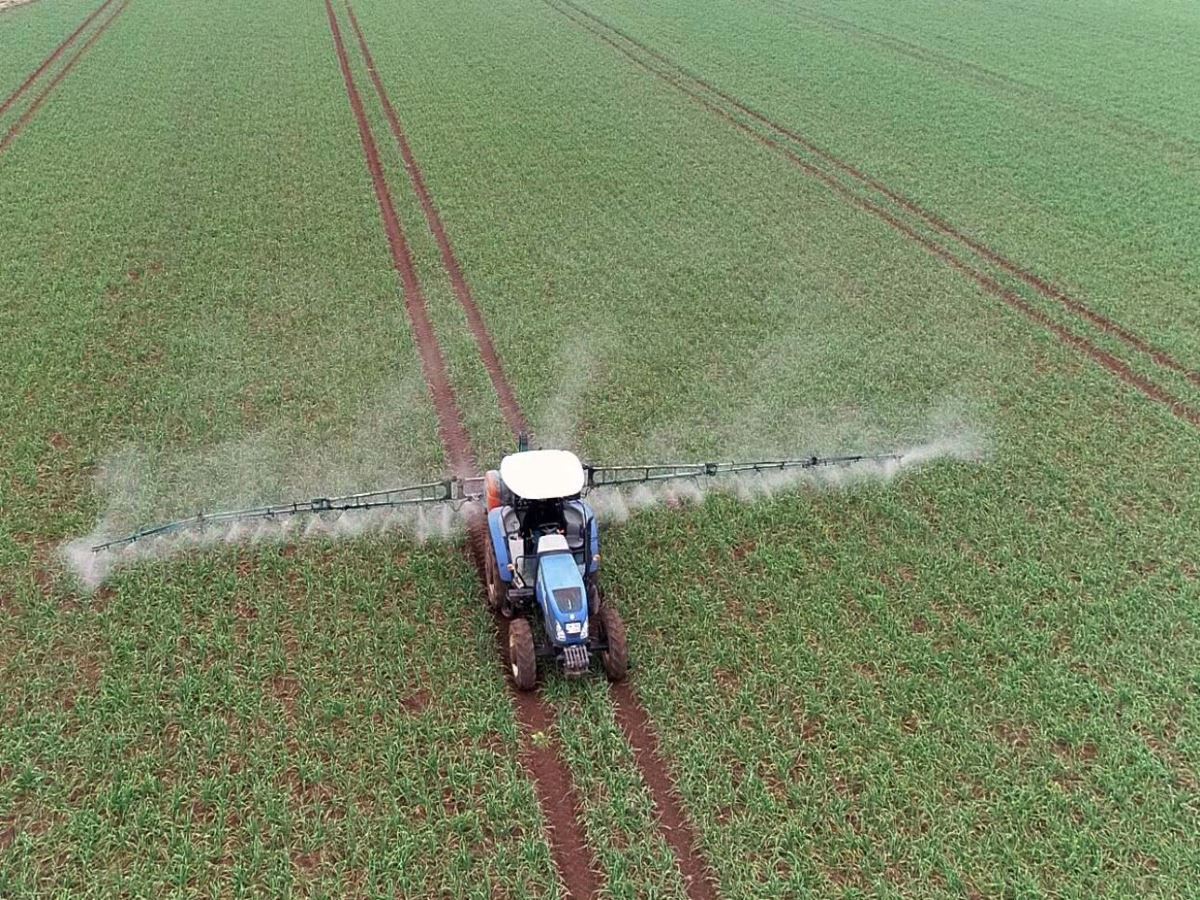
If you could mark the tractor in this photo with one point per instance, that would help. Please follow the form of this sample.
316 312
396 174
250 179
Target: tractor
542 567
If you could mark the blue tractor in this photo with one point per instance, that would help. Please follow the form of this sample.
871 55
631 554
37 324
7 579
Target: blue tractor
543 562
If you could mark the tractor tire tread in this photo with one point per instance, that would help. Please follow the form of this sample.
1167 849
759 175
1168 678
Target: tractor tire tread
595 597
616 657
522 657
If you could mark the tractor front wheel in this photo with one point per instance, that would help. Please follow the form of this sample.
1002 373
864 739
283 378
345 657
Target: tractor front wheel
522 658
616 657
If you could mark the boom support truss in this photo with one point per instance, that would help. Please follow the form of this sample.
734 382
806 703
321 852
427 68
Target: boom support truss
613 476
468 490
449 490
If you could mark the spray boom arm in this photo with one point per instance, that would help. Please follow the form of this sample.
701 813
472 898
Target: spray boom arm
450 490
611 476
468 490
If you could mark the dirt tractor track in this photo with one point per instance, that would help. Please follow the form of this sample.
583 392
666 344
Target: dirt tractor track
50 60
47 64
549 772
487 349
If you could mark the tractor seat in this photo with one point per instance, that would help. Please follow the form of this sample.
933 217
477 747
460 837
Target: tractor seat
516 545
575 527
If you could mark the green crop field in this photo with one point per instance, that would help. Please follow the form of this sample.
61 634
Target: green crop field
687 229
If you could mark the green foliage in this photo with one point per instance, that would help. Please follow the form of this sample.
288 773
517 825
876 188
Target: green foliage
975 679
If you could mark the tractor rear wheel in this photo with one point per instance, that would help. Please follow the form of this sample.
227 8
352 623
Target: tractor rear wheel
497 590
616 658
522 658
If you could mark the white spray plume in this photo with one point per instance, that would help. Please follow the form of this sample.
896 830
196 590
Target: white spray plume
578 368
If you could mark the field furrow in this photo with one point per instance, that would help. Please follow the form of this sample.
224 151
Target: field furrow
543 763
47 87
50 60
633 718
462 289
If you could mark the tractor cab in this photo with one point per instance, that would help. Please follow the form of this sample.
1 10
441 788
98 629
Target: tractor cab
544 554
534 495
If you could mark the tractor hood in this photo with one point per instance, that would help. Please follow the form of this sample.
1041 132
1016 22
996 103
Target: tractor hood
562 596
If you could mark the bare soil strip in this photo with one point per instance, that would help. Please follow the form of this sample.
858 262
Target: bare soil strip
701 92
698 877
462 289
1039 284
450 426
31 110
54 55
552 779
561 805
632 717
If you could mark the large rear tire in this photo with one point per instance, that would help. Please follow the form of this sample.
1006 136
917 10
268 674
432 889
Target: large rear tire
616 658
522 659
497 590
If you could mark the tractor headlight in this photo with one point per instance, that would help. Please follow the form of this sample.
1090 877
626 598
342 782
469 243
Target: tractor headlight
583 633
558 631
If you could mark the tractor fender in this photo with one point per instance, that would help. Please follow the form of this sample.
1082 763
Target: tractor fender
499 541
592 564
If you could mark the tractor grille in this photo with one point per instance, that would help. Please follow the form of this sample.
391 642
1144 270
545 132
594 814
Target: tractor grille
575 658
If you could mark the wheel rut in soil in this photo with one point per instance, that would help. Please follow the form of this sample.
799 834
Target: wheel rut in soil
712 98
543 761
73 60
462 289
53 57
699 880
534 714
